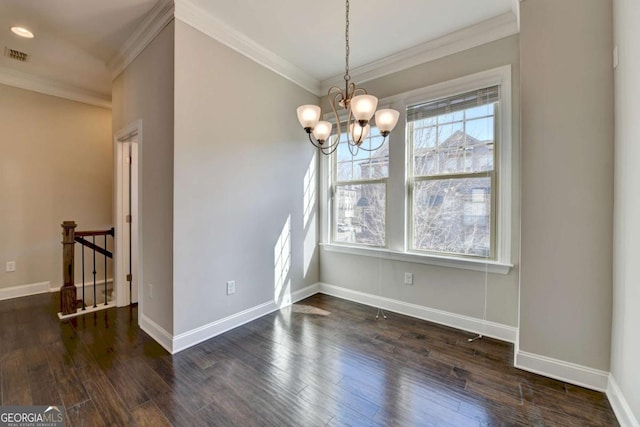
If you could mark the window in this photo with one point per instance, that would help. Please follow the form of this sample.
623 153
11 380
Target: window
452 173
439 191
360 192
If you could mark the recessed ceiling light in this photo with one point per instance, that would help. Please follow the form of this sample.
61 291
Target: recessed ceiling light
22 32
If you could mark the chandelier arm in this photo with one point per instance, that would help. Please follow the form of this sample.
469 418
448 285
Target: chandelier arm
384 139
350 140
312 141
359 90
351 89
327 151
338 98
325 148
353 149
335 112
332 145
335 89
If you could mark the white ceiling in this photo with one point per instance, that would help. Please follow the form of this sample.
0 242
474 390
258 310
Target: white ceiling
75 39
310 33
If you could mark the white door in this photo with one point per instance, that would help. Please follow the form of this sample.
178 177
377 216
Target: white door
127 220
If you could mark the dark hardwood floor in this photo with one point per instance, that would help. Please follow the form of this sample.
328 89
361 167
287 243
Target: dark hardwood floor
323 361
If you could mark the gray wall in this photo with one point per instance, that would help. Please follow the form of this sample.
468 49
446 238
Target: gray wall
240 164
144 90
567 179
453 290
625 352
56 165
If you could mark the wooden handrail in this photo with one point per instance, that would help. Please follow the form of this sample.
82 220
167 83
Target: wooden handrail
109 232
85 242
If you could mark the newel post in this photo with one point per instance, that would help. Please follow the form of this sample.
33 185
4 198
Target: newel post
68 297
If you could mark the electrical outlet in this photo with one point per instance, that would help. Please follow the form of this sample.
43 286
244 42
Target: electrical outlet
231 287
150 290
11 266
408 278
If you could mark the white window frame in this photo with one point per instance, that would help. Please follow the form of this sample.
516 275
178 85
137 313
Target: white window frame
334 183
413 179
398 222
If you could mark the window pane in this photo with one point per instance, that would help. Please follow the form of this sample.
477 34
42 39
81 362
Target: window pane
481 111
447 147
344 171
480 143
449 134
480 129
373 168
343 151
360 214
453 215
424 137
451 161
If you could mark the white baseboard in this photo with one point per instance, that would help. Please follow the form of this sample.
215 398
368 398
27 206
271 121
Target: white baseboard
24 290
572 373
620 406
88 309
305 292
466 323
195 336
157 332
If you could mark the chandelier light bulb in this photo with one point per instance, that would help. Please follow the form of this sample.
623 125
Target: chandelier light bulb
308 116
359 133
322 130
386 120
363 107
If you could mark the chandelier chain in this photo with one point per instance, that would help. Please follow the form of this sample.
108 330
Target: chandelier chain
347 77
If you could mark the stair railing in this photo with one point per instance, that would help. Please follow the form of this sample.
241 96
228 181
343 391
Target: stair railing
68 291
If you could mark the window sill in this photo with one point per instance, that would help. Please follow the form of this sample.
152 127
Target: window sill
441 261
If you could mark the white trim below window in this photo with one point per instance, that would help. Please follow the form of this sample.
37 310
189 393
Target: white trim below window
479 264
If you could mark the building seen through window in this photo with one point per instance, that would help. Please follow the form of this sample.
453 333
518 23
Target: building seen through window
360 193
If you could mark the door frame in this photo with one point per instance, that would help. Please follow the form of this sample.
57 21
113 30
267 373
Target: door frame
130 133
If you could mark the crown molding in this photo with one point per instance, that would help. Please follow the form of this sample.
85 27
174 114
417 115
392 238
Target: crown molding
154 22
210 25
515 8
476 35
11 77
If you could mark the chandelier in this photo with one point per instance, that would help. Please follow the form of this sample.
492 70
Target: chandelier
360 107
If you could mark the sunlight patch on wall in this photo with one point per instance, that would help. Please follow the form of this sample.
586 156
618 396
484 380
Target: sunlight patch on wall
310 186
310 236
310 245
282 265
